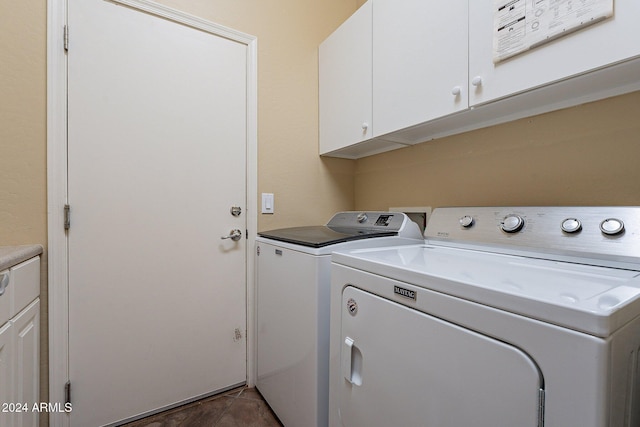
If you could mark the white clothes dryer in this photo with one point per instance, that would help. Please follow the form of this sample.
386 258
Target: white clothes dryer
520 316
293 282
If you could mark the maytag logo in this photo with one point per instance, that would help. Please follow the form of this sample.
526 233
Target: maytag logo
404 292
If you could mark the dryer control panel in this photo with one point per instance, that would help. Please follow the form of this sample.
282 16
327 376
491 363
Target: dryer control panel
607 236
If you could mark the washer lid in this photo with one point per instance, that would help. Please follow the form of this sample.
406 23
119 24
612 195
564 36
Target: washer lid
592 299
321 235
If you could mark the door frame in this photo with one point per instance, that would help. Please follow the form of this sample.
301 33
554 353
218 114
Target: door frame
58 277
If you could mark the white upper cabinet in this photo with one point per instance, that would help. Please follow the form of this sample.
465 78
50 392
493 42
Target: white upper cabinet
419 61
401 72
392 64
345 83
607 42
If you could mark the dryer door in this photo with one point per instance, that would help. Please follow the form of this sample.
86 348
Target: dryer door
401 367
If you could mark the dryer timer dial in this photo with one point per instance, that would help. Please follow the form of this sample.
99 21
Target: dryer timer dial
466 221
571 225
612 226
512 223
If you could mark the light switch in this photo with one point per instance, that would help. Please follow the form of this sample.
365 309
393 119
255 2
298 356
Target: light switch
267 203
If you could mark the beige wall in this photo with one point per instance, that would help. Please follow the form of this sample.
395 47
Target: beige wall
586 155
23 164
23 191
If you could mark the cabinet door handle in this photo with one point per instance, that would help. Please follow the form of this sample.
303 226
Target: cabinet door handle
477 81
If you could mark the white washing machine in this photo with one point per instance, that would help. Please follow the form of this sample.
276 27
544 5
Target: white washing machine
293 281
520 316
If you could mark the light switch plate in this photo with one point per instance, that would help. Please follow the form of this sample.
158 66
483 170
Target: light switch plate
267 203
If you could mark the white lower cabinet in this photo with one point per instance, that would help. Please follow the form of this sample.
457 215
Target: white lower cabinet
6 373
26 364
20 347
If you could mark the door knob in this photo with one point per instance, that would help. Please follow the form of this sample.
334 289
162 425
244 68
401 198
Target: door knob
234 235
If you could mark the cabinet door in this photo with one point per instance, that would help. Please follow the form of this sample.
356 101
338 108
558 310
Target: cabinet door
25 279
26 332
401 367
419 61
610 41
6 291
6 374
345 83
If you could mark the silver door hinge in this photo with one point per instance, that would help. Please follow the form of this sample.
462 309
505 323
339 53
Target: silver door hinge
67 217
67 392
66 38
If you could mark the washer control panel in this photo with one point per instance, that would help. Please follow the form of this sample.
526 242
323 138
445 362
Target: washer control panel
385 221
592 232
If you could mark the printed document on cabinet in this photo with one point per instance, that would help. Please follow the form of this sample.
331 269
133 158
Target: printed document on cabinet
520 25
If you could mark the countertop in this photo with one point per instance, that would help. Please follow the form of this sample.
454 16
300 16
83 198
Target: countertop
13 255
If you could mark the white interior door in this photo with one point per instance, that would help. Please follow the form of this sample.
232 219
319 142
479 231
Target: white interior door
401 367
157 136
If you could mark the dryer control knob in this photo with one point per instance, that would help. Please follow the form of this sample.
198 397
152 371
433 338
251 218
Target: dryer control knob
362 217
571 225
512 224
612 226
466 221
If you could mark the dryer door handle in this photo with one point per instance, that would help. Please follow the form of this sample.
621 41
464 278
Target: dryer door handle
351 362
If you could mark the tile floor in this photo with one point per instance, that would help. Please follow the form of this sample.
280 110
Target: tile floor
241 407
